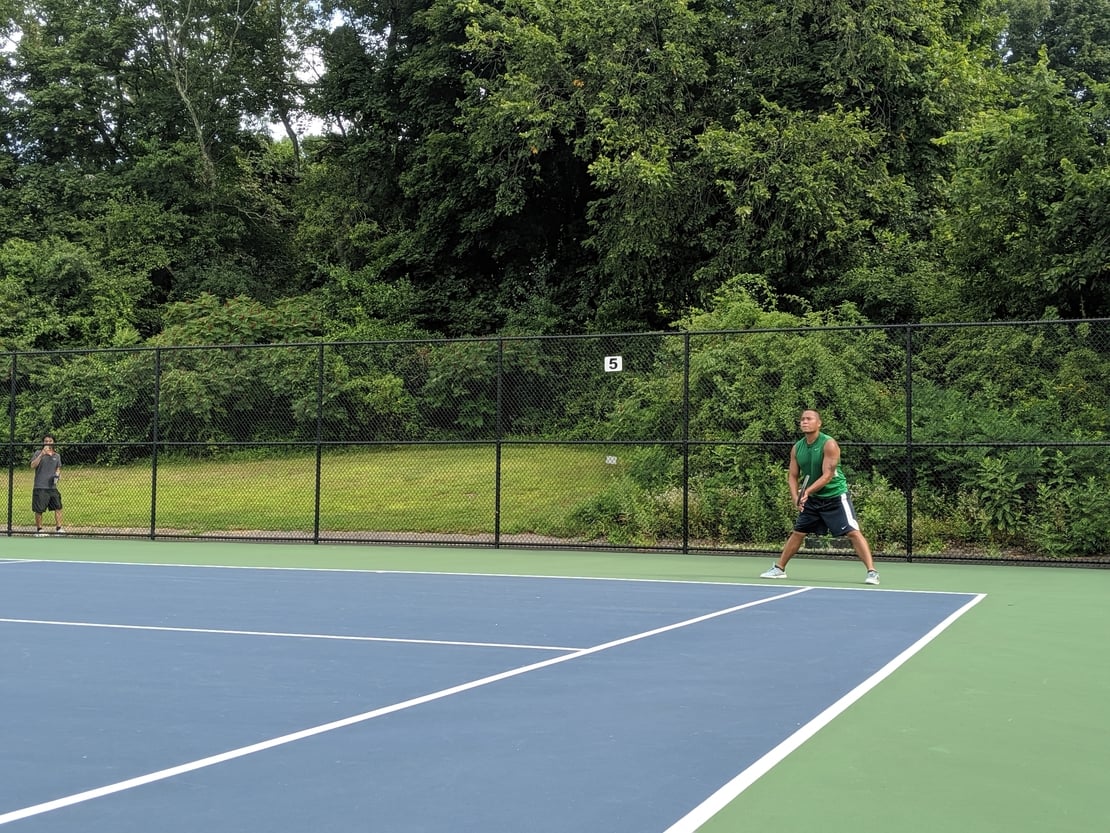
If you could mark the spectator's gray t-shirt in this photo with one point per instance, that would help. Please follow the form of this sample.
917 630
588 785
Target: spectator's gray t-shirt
48 466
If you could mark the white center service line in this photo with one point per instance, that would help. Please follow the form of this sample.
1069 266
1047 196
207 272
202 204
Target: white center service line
243 751
341 637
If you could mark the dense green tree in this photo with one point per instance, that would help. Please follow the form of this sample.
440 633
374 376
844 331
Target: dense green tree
128 138
1075 35
784 140
1028 232
226 64
30 317
414 197
540 166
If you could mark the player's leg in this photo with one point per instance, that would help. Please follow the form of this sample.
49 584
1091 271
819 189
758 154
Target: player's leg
808 520
840 516
789 550
56 505
38 506
862 548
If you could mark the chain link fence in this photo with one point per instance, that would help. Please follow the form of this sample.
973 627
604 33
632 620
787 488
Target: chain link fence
960 442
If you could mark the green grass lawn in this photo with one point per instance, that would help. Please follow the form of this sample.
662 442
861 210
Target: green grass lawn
431 489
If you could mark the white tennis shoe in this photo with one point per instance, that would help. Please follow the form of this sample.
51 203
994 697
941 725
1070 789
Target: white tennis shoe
778 572
872 577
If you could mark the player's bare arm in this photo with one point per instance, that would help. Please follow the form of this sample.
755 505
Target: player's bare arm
792 476
830 459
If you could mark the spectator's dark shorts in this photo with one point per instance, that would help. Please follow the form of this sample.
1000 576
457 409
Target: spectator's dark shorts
45 499
835 515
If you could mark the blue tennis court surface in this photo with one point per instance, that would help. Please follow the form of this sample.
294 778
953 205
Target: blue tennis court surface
143 698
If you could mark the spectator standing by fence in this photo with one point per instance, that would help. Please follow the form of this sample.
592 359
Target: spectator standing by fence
45 496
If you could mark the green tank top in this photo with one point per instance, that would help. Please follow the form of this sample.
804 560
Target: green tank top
809 458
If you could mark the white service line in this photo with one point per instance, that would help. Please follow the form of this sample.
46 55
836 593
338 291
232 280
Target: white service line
243 751
285 634
716 802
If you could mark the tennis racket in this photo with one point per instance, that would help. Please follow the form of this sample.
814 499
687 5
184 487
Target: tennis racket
801 489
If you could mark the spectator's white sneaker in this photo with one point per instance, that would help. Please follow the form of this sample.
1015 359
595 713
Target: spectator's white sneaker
777 572
59 531
39 533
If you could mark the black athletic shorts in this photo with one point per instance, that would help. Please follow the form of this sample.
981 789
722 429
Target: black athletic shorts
43 500
834 515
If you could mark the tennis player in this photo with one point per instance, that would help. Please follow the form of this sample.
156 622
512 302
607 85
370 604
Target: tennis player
823 502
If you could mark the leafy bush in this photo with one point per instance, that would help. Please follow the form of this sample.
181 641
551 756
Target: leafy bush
1069 518
642 506
882 511
1073 522
745 505
625 514
999 496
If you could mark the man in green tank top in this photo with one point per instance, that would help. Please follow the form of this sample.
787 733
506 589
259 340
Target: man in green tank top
820 492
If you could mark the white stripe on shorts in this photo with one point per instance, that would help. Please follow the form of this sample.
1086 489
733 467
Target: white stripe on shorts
847 504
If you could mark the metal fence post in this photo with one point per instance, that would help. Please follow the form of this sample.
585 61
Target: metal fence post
319 440
11 442
154 434
498 428
909 443
686 442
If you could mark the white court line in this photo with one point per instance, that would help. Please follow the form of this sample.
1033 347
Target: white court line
340 637
716 802
191 766
4 561
724 582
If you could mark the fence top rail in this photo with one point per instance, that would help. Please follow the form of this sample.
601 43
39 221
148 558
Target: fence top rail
493 441
908 327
